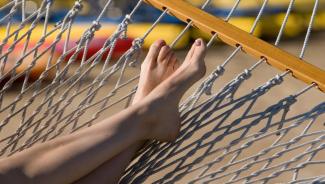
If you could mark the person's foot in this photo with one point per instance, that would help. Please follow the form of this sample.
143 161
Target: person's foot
158 65
162 102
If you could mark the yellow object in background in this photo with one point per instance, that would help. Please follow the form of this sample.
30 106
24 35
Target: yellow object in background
3 2
244 23
228 4
282 3
197 3
196 33
168 32
271 25
308 5
299 5
319 22
34 36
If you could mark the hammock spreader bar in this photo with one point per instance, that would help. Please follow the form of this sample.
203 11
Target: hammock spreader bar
234 36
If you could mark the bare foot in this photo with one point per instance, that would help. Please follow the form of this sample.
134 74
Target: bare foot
158 65
162 103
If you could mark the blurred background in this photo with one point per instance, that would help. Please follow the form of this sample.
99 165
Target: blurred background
243 17
267 28
170 27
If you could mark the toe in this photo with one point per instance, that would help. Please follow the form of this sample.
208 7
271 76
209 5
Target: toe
190 52
164 52
200 50
177 64
172 60
155 48
197 59
169 58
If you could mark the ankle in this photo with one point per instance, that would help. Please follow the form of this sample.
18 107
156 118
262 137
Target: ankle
144 111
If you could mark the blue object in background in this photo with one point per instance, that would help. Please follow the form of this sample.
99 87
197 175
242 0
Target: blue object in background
147 13
220 12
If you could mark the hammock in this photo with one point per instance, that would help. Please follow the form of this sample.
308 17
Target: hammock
227 135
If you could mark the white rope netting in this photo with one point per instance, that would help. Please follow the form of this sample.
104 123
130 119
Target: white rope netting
226 135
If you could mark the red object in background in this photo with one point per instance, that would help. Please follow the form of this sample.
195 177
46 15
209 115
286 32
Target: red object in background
95 45
40 64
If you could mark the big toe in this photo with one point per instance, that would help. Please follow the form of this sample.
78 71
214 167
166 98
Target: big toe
190 53
197 59
199 51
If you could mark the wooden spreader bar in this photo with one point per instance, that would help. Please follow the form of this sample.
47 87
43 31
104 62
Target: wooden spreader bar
234 36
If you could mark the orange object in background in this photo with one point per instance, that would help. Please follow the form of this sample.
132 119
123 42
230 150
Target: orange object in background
95 45
40 65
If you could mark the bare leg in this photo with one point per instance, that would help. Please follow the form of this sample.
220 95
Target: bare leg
158 65
69 158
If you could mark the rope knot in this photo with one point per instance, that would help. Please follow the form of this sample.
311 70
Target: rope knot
291 100
243 76
272 82
89 35
127 19
41 40
277 80
208 89
137 43
95 26
124 26
219 71
113 92
209 83
78 6
247 74
213 77
58 23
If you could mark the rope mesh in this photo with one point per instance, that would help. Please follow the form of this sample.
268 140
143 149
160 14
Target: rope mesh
226 135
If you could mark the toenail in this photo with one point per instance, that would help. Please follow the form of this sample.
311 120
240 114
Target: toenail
161 42
198 42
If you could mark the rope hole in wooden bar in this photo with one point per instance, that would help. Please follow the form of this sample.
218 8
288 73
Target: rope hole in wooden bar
263 58
214 33
288 70
317 86
291 72
164 8
238 45
189 21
